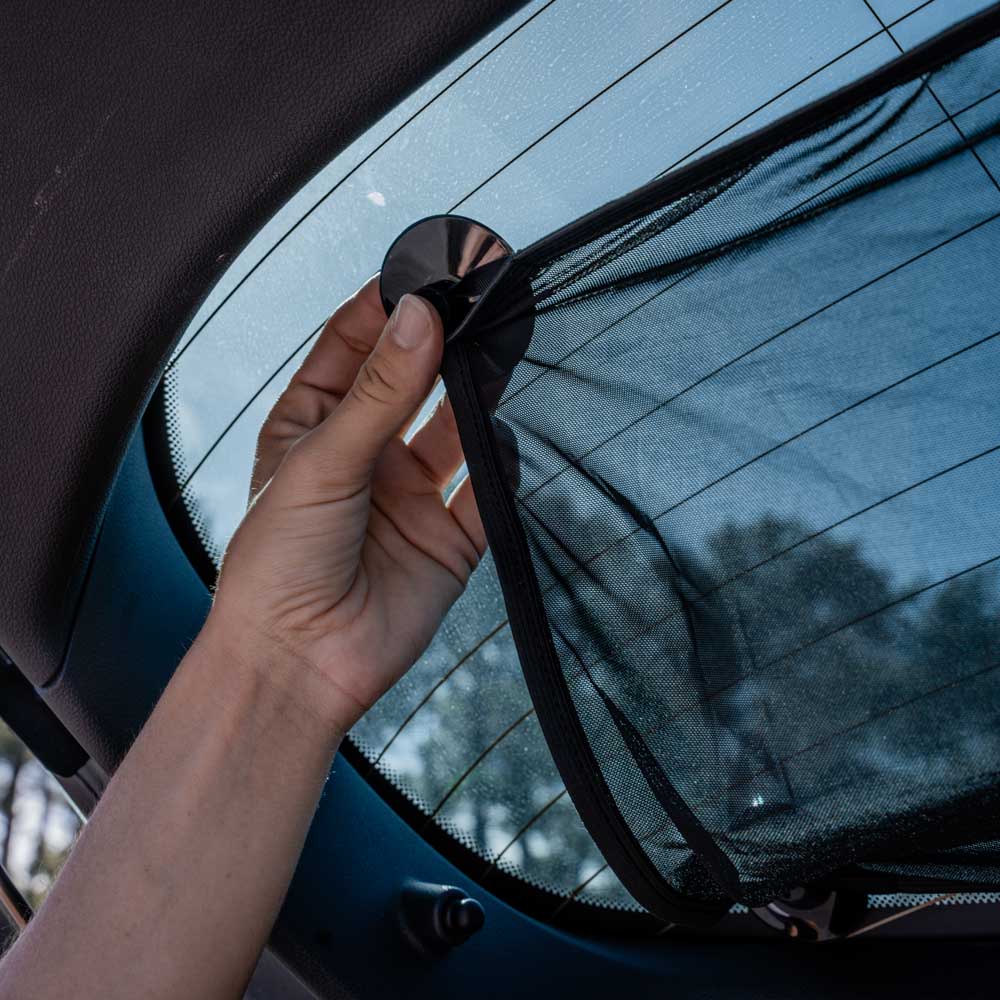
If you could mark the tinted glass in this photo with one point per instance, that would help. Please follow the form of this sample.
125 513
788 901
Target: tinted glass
560 109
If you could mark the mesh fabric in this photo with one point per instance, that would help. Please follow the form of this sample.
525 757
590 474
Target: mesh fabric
742 491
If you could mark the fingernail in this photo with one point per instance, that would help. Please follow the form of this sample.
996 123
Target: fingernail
410 322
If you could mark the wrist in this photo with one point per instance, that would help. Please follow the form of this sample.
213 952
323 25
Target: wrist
245 654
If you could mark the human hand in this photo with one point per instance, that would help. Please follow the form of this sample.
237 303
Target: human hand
348 557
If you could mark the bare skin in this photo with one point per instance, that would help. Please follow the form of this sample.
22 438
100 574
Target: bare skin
332 587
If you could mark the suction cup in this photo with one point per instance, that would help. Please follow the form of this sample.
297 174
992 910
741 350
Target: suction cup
448 260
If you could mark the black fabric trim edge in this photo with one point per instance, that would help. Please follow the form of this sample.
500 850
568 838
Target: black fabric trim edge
543 675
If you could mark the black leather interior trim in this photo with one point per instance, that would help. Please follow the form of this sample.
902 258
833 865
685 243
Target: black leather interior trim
144 144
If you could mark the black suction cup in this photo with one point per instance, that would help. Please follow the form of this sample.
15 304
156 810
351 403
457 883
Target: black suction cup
433 256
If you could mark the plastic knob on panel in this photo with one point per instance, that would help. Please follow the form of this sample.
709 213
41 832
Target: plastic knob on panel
436 918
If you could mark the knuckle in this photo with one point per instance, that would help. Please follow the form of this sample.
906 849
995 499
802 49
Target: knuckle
354 343
376 383
267 435
266 431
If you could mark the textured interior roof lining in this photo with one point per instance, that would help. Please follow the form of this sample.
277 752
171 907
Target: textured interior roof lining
145 145
729 366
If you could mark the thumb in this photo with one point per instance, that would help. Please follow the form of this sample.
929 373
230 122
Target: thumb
392 383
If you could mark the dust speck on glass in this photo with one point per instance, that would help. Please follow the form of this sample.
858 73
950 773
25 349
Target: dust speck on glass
561 108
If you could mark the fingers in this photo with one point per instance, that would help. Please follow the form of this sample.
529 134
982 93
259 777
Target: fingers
391 383
464 509
323 378
437 447
298 410
345 342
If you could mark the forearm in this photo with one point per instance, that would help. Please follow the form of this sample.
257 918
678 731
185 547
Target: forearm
175 883
333 585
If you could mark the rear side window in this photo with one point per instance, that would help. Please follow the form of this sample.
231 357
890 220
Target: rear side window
560 109
38 822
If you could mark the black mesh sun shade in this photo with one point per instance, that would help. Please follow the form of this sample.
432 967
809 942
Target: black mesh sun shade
741 488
